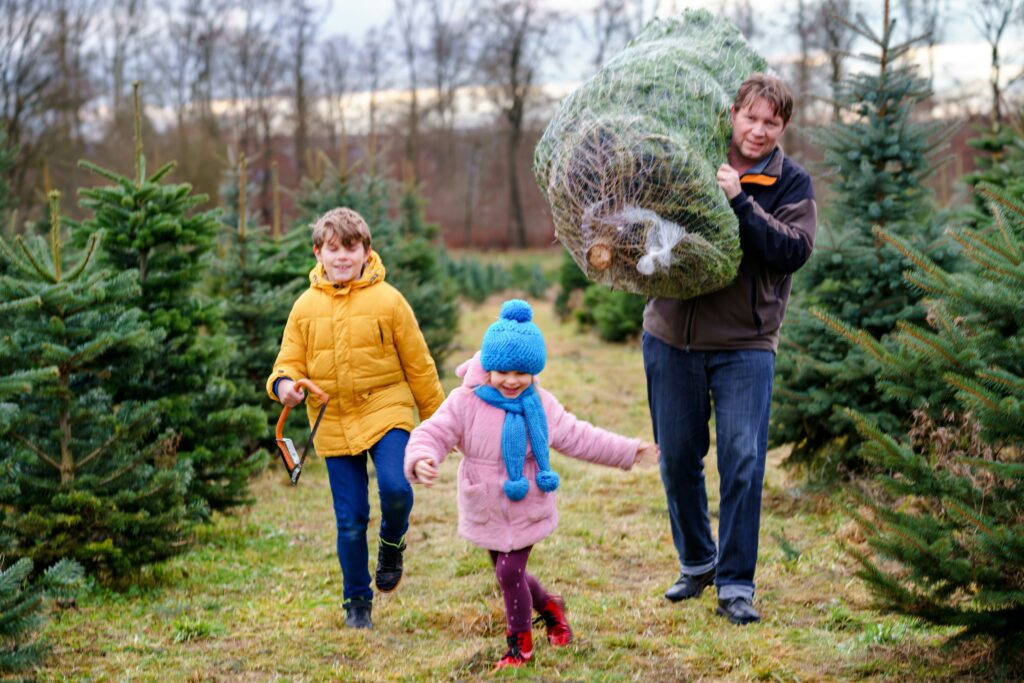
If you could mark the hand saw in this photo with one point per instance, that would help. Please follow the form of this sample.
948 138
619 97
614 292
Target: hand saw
292 461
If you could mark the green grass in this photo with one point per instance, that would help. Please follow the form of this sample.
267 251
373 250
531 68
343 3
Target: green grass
259 597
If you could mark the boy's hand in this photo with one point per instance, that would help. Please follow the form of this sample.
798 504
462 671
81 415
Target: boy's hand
425 471
647 454
289 394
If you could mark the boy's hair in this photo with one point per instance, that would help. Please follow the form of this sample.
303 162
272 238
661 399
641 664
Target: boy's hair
343 224
771 90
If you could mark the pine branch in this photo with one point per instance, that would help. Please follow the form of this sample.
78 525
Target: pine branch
90 247
31 258
926 341
858 337
967 387
39 452
109 175
910 253
117 435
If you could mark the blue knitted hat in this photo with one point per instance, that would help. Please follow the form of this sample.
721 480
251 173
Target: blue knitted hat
514 343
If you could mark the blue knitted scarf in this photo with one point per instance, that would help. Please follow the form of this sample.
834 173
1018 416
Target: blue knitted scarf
524 417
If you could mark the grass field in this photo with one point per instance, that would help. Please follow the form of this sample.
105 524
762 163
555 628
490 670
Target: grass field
259 597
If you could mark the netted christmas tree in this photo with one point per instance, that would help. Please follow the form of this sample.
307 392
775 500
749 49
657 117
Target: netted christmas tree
22 604
407 243
84 475
880 156
628 163
947 543
254 309
153 227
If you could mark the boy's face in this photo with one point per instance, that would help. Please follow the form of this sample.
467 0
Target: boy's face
342 264
510 384
755 128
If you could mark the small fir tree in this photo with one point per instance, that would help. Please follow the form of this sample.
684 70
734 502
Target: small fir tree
81 472
22 604
1000 164
947 543
153 227
880 156
253 308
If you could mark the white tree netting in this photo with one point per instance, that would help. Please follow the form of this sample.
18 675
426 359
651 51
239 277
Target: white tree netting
628 163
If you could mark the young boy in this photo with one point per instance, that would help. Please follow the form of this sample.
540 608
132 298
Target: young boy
356 338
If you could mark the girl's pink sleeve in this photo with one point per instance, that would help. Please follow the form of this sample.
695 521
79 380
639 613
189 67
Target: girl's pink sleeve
435 437
580 439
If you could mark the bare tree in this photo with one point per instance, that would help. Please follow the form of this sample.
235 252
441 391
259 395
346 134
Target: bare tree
741 13
71 33
992 18
336 78
119 43
302 22
252 63
923 18
28 80
448 58
373 66
803 25
610 28
408 21
517 39
835 17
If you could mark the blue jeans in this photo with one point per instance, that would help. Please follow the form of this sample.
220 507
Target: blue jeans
350 490
682 388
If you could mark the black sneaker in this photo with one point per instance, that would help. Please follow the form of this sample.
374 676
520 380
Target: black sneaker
357 613
739 611
689 586
389 565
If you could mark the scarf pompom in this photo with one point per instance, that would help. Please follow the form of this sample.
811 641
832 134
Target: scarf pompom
517 489
547 480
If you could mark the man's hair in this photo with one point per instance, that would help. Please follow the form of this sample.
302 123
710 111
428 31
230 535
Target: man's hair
771 90
343 224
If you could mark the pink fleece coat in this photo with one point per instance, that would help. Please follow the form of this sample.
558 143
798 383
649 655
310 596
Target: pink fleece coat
487 517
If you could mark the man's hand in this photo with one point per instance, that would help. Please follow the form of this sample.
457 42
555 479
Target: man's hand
289 394
647 454
729 181
425 471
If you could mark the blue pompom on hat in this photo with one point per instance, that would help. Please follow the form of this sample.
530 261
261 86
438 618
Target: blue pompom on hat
514 343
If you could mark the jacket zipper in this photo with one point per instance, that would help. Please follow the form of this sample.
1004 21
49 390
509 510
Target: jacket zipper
753 306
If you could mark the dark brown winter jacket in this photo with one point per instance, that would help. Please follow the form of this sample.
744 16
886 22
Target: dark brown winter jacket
778 219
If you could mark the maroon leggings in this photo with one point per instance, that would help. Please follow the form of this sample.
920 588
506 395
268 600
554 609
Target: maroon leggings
521 591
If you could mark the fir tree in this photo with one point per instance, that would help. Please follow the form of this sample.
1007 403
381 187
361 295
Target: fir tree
947 545
153 227
1000 164
880 156
254 309
82 477
21 610
8 154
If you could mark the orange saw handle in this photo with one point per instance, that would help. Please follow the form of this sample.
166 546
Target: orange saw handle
292 461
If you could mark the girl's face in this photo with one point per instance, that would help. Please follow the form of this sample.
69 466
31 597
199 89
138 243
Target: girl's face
510 384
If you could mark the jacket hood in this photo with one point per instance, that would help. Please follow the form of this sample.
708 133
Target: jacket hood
472 372
373 273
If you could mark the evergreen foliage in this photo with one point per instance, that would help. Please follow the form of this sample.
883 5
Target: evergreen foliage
947 545
152 227
21 610
82 473
406 244
999 164
253 307
616 315
8 153
880 156
475 280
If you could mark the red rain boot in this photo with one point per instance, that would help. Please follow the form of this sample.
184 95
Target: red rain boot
553 614
520 649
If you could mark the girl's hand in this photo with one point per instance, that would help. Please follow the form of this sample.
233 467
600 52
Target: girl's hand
647 454
425 471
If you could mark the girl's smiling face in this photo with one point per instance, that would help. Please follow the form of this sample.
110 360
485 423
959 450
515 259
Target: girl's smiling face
510 384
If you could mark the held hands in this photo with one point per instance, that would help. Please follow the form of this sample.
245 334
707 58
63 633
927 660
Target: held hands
289 394
647 454
425 471
729 181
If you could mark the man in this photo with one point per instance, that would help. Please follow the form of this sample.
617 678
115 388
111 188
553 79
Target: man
719 350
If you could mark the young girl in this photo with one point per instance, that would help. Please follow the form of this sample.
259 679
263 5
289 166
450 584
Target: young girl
504 424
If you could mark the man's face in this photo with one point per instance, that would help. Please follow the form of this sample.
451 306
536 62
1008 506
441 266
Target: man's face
342 264
755 128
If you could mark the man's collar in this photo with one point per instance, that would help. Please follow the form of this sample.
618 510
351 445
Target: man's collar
766 171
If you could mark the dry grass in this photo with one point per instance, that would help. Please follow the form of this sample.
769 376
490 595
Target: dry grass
259 598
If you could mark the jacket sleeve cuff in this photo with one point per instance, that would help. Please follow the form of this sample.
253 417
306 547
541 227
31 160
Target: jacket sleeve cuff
276 382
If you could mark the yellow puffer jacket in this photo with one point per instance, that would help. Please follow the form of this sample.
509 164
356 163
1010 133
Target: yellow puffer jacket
360 343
